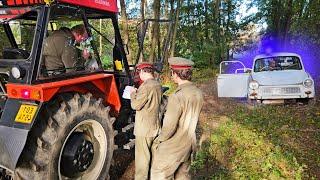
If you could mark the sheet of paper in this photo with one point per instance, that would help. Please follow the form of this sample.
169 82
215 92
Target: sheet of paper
127 92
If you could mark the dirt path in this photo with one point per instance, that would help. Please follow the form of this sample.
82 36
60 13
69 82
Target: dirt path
214 113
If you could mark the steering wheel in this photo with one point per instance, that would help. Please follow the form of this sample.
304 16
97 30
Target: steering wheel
263 68
15 53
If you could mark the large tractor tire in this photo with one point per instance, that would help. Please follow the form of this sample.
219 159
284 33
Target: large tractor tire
73 139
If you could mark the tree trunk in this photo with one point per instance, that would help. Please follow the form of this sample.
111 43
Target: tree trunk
142 10
206 21
277 8
216 35
100 38
142 18
176 25
287 22
124 20
169 33
166 8
148 16
155 31
228 32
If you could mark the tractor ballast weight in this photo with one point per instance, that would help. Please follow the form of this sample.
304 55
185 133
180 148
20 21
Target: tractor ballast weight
37 112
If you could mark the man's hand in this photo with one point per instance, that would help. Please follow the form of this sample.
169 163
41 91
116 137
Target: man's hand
133 89
85 53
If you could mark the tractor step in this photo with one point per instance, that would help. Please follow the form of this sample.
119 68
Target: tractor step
129 145
129 126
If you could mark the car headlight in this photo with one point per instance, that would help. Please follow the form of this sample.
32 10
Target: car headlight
253 85
308 83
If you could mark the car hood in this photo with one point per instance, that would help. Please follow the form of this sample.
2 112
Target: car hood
286 77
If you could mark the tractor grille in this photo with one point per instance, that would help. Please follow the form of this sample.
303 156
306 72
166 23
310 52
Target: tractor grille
280 90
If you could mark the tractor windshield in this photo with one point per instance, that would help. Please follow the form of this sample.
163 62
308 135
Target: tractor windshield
17 29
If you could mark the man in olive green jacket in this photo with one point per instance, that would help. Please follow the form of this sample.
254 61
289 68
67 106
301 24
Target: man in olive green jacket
177 140
60 53
146 101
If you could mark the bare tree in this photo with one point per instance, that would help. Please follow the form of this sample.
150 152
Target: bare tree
155 30
142 18
124 19
176 24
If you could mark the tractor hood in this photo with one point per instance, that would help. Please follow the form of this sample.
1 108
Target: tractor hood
285 77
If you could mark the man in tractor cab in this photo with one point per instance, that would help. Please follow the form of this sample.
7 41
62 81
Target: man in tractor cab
60 53
146 101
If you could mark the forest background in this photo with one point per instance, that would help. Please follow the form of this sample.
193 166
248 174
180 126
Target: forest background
210 31
237 142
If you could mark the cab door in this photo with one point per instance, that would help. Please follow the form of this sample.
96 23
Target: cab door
233 79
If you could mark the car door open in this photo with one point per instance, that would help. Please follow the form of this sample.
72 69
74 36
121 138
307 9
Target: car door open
233 79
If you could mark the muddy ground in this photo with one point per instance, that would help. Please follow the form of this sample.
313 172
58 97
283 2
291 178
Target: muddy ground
123 163
212 115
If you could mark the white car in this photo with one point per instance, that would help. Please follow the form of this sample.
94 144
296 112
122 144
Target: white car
274 78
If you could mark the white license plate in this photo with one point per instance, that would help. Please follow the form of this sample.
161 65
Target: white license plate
276 91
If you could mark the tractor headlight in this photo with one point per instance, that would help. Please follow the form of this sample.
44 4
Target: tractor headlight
253 85
308 83
17 72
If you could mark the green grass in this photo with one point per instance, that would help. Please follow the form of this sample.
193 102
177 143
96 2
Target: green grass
269 142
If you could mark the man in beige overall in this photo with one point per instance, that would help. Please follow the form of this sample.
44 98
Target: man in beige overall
177 140
60 53
146 101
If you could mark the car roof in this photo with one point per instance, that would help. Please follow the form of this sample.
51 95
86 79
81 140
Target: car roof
260 56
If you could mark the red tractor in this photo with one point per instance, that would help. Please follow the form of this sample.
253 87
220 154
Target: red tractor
59 125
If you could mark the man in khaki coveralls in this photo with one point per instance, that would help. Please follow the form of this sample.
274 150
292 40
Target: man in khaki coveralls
60 53
177 140
146 101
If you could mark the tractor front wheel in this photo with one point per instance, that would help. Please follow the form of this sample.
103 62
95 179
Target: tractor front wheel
75 141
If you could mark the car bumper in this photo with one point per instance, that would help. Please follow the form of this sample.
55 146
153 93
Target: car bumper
281 92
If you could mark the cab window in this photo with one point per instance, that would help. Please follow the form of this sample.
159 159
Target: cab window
67 47
17 30
104 38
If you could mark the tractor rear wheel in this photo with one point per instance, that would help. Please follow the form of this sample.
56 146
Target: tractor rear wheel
75 141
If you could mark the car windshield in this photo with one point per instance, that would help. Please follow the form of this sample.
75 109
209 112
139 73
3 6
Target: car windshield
277 63
17 29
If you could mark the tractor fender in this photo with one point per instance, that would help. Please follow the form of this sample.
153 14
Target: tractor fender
13 134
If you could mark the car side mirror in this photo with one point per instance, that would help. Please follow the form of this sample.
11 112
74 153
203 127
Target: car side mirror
248 70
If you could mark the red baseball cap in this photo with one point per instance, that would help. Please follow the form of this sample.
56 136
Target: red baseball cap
142 65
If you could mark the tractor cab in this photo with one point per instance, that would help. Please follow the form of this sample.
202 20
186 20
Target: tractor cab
56 122
25 27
